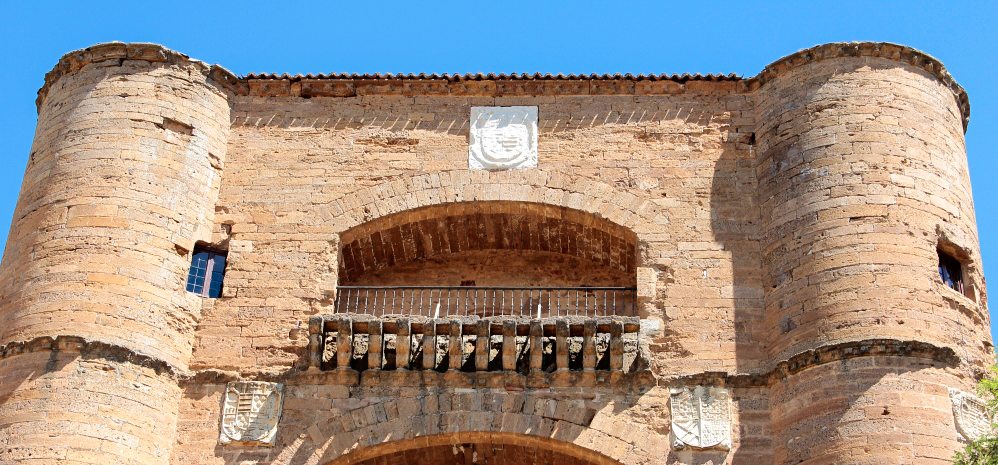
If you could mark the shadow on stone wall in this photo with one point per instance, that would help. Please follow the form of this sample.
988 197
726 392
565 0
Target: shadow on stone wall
736 224
325 418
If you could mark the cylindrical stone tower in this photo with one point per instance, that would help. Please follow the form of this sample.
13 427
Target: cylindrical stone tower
95 323
863 175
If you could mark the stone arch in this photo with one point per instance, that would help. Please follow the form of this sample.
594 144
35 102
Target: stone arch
596 430
476 447
407 192
625 207
449 240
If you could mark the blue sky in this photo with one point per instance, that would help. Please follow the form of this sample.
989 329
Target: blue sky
505 36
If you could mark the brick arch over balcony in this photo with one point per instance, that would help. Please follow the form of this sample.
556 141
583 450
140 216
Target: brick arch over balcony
476 447
489 235
622 207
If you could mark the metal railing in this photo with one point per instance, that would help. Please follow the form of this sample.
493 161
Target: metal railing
445 301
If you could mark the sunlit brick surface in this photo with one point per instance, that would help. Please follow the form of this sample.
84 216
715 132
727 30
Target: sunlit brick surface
777 236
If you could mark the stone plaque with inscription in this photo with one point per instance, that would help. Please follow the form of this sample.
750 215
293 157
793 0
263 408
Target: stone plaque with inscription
250 413
503 138
701 417
970 414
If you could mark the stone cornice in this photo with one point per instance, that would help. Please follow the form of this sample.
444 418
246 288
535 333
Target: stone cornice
895 52
349 85
820 356
89 349
944 356
119 51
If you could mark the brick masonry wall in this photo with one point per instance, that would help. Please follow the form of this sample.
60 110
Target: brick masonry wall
325 420
863 173
500 268
675 169
875 410
771 226
530 228
120 183
58 406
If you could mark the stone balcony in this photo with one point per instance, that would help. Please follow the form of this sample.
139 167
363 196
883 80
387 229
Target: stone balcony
530 332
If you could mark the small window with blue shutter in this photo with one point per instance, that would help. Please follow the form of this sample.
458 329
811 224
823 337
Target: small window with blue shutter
207 272
950 271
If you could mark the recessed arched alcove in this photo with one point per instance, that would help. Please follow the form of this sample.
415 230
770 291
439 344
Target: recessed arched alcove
492 243
542 257
481 448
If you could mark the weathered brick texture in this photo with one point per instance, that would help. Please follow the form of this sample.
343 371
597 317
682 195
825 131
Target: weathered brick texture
61 404
863 174
120 183
781 231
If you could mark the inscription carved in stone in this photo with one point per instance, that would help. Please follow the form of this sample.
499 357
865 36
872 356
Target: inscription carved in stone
503 138
970 414
701 417
250 413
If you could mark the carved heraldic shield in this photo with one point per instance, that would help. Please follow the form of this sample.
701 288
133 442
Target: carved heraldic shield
701 417
251 411
502 138
970 414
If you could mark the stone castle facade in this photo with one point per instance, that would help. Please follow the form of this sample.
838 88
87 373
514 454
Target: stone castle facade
371 269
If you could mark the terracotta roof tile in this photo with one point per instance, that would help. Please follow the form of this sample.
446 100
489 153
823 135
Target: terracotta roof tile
499 77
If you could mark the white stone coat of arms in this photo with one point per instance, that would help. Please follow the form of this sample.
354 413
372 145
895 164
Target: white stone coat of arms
701 417
503 138
970 414
250 413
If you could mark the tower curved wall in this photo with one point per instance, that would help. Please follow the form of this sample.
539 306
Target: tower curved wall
863 178
121 182
863 174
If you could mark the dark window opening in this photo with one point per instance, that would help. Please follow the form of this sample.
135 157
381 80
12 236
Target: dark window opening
207 271
951 271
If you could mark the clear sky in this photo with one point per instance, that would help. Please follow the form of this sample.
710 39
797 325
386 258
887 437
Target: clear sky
502 36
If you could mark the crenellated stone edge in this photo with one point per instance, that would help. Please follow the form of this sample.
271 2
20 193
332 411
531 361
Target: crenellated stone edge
120 51
310 86
782 370
885 50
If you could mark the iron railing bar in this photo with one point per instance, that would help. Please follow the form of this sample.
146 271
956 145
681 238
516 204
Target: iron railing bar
507 288
578 305
463 300
521 303
604 303
559 304
549 301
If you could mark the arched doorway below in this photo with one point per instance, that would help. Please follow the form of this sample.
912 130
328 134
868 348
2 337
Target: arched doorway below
478 448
